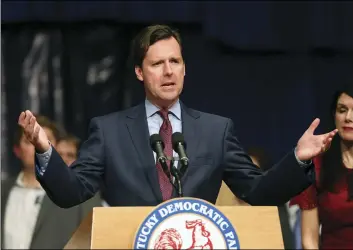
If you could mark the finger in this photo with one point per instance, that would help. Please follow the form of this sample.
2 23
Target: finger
326 146
327 141
313 126
32 121
326 137
28 116
331 134
29 113
21 118
30 127
334 132
329 137
36 131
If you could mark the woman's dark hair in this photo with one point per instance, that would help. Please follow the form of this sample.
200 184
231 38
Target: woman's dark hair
332 164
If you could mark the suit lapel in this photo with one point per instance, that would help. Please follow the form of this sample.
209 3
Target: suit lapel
44 209
190 131
138 130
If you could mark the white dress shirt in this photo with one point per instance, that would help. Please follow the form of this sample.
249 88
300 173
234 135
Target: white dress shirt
155 121
21 212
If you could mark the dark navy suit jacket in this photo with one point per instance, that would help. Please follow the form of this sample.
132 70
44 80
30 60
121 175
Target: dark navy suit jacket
118 153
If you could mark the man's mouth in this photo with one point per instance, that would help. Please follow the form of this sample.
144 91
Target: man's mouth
167 84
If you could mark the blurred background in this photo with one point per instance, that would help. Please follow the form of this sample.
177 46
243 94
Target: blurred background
270 66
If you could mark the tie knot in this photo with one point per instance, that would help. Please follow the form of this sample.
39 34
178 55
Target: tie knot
164 113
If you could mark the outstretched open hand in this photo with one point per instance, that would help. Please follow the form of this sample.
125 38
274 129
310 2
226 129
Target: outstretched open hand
310 145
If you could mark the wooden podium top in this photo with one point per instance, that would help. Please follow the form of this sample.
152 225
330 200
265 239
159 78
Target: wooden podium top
116 227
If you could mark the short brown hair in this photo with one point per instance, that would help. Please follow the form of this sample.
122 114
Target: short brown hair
72 139
43 121
149 36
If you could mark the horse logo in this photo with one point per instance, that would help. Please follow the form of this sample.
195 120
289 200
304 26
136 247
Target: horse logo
200 236
171 239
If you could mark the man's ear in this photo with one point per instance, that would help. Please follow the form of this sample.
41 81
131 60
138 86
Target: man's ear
138 72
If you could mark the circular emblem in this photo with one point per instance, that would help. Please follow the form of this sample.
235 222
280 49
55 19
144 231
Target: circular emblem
186 223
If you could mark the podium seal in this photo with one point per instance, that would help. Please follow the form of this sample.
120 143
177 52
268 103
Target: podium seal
186 223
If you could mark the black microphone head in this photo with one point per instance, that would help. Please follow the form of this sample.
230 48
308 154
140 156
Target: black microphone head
154 139
177 138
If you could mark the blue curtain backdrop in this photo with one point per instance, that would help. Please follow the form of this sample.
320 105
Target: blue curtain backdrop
270 66
243 25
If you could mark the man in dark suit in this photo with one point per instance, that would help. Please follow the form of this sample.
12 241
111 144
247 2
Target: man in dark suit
118 151
30 220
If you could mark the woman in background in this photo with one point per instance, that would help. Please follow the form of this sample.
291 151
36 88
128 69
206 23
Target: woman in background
329 202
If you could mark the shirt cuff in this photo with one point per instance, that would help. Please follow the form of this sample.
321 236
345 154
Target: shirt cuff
302 163
43 160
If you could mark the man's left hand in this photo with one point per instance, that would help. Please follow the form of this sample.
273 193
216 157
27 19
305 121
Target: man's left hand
310 145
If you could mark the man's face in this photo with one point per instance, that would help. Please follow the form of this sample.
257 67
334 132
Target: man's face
24 151
67 150
162 72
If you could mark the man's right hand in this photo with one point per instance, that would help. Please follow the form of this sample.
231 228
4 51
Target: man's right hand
33 131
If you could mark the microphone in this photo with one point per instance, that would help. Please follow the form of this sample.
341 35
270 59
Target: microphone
157 146
179 146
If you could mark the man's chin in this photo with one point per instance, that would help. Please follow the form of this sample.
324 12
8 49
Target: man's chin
170 96
168 100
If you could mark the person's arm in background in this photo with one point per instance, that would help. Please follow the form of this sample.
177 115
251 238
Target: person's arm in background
310 225
310 228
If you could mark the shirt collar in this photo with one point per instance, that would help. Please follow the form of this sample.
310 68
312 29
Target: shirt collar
20 183
151 109
19 180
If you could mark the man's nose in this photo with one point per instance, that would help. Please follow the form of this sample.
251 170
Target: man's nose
168 69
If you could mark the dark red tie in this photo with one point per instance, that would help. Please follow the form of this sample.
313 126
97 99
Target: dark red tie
166 134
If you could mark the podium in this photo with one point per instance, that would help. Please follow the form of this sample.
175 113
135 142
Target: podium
116 227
